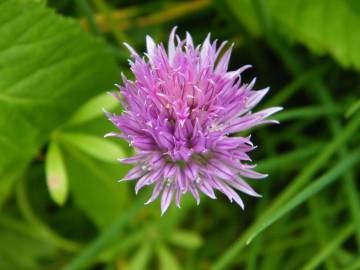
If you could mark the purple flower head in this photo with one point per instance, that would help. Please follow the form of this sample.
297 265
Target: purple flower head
180 113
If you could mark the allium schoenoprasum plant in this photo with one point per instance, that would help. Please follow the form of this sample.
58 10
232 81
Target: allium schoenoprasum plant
60 204
180 115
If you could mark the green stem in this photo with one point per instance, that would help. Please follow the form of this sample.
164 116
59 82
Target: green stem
44 229
316 261
300 81
296 68
311 112
297 184
306 193
319 228
349 184
101 242
86 11
355 265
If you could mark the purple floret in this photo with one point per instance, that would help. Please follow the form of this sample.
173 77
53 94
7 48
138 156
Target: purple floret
180 115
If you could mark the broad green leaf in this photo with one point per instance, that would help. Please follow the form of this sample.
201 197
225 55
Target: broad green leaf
322 25
48 68
97 147
56 176
93 109
186 239
167 259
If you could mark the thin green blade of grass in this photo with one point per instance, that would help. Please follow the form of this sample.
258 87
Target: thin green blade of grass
306 112
291 89
304 176
316 261
349 183
288 159
310 170
43 229
96 247
294 64
309 191
252 262
106 10
86 11
353 108
319 228
355 265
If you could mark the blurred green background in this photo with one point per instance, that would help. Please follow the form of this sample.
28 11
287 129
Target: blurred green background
61 207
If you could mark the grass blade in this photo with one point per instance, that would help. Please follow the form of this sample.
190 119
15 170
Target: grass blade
316 261
87 256
296 185
309 191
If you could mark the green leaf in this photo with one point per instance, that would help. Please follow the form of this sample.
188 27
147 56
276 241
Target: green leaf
311 23
99 148
48 67
186 239
93 108
56 176
94 187
167 259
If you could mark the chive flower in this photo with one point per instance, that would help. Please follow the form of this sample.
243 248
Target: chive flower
181 114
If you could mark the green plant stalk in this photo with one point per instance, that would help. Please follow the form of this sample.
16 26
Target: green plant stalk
252 262
304 177
127 243
85 9
310 170
288 159
307 112
353 108
47 233
98 248
293 87
355 265
349 184
119 35
294 65
20 227
277 247
316 261
316 186
90 253
344 257
320 229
